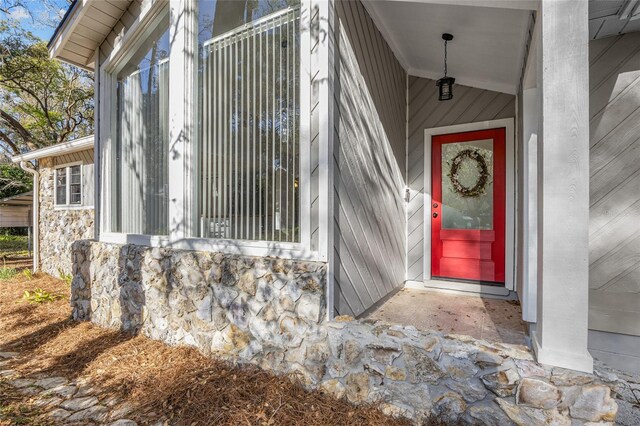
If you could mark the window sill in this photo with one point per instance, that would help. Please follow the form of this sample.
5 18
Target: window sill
293 251
61 207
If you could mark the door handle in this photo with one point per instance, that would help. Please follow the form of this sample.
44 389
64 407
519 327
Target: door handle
435 214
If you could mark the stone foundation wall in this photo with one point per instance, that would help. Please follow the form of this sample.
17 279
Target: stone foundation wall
270 312
228 305
59 228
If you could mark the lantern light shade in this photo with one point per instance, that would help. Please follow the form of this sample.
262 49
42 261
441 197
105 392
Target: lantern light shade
445 84
445 88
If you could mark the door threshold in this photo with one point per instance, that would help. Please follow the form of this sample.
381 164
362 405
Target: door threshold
479 290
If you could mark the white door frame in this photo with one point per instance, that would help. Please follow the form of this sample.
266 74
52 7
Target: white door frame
508 124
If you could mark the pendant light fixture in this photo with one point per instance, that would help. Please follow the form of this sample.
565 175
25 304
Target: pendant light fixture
445 84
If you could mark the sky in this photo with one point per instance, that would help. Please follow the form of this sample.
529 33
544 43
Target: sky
39 16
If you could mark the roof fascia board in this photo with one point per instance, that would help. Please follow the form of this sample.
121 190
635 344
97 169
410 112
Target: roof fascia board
143 25
67 27
55 150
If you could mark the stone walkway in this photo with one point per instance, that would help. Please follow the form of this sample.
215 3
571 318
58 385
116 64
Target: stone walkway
76 402
626 390
66 401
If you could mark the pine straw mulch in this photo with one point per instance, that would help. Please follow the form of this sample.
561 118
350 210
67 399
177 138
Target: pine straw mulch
161 382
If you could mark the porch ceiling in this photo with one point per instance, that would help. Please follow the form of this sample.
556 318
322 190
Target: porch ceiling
490 35
487 51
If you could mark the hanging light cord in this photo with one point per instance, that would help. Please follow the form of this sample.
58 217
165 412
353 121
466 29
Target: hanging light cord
445 58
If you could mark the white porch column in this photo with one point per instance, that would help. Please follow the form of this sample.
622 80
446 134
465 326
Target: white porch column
560 336
183 160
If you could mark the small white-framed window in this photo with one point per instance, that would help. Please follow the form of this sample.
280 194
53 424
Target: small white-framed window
68 185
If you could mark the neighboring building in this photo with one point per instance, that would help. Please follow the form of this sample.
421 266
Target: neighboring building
15 211
64 177
312 132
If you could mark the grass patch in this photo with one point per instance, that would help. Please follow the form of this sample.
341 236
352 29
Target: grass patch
40 295
13 244
6 273
67 278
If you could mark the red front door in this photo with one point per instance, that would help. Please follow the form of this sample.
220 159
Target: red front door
468 206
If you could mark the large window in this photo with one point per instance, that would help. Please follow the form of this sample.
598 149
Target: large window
140 170
249 119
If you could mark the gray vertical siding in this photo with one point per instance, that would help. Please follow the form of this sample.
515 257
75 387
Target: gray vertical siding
614 225
369 158
425 111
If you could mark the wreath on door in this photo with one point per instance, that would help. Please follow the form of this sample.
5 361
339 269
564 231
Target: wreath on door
483 173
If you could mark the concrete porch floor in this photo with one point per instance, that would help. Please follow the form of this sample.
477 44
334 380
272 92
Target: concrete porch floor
495 320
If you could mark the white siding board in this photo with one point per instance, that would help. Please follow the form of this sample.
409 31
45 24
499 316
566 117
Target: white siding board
15 216
79 49
623 197
614 223
120 4
108 9
613 114
88 33
74 57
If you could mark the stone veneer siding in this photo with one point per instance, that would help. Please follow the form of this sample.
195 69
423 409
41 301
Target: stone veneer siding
59 228
270 312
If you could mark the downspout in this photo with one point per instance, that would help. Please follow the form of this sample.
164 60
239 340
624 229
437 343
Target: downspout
28 167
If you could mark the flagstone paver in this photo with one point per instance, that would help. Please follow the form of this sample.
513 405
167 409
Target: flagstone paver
123 422
59 414
66 391
51 382
98 413
77 404
66 401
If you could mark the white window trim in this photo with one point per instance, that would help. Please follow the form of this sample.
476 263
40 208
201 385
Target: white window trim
68 205
183 185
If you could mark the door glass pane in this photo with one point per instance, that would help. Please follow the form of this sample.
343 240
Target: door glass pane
467 185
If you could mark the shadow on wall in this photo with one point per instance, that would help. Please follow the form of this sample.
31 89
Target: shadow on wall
131 295
369 210
614 200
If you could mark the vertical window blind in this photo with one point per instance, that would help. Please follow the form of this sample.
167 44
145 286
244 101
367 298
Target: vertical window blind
143 144
250 131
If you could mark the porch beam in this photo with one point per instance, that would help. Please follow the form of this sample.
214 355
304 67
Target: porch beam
560 335
501 4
